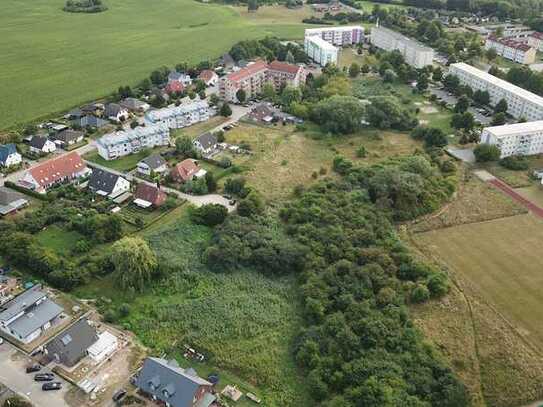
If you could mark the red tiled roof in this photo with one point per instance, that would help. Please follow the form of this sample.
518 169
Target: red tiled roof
150 193
246 72
185 170
57 168
206 75
174 86
537 35
284 67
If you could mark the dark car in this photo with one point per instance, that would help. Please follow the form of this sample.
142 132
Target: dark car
33 368
44 377
118 395
51 386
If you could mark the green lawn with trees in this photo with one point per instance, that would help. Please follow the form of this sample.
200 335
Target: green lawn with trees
80 56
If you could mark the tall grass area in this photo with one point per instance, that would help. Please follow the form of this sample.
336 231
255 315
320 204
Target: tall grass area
243 322
52 60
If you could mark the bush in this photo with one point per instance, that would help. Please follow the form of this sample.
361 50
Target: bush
420 294
515 163
209 215
486 153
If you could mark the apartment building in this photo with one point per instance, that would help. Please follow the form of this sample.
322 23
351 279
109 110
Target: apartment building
520 102
253 77
320 51
339 36
515 139
414 53
177 117
535 40
511 49
121 143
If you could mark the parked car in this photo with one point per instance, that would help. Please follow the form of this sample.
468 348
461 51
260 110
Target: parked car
33 368
44 377
119 395
51 386
1 341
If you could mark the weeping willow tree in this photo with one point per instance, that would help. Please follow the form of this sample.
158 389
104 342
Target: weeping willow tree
135 263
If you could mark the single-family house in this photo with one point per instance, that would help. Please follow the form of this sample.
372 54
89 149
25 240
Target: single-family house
68 137
105 346
70 346
42 145
180 77
116 112
29 314
92 109
205 143
154 164
105 183
209 77
67 167
11 201
174 87
9 155
186 170
165 381
149 195
134 105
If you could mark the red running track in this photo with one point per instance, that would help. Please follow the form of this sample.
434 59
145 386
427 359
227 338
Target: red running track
517 197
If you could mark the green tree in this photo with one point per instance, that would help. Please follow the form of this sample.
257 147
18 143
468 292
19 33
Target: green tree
354 70
209 214
226 111
462 104
501 106
499 119
491 54
481 97
241 96
184 147
463 121
339 114
134 262
486 152
437 74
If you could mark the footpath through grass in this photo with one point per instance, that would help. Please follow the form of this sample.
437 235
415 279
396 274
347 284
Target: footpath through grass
243 322
52 60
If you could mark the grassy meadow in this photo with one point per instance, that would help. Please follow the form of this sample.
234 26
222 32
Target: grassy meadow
52 60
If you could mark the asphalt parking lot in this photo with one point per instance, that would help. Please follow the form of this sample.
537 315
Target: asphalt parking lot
12 373
451 100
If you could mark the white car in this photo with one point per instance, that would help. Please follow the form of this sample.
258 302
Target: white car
1 341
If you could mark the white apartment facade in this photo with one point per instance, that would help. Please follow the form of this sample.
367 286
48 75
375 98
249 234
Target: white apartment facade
320 51
177 117
535 40
339 36
414 53
511 49
125 142
520 102
515 139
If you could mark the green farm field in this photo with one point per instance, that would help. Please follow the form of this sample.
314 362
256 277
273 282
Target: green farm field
52 60
499 258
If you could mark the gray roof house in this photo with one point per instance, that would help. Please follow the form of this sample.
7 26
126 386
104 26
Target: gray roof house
134 105
71 346
27 315
154 163
115 112
165 381
205 143
68 137
108 184
90 121
10 201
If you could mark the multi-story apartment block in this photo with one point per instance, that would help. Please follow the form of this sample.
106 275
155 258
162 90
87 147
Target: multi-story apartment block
252 78
520 102
121 143
177 117
339 36
515 139
414 53
320 51
511 49
535 40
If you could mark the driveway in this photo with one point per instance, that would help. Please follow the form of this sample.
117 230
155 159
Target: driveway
12 374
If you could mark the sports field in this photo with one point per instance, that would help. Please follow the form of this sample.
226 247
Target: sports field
51 60
500 258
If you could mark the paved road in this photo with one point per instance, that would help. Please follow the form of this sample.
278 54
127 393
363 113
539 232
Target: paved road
197 200
12 374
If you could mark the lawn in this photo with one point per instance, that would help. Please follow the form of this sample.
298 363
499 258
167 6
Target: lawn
53 60
126 163
200 128
517 179
243 322
501 259
59 240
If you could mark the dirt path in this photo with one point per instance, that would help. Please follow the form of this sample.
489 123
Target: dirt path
537 210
